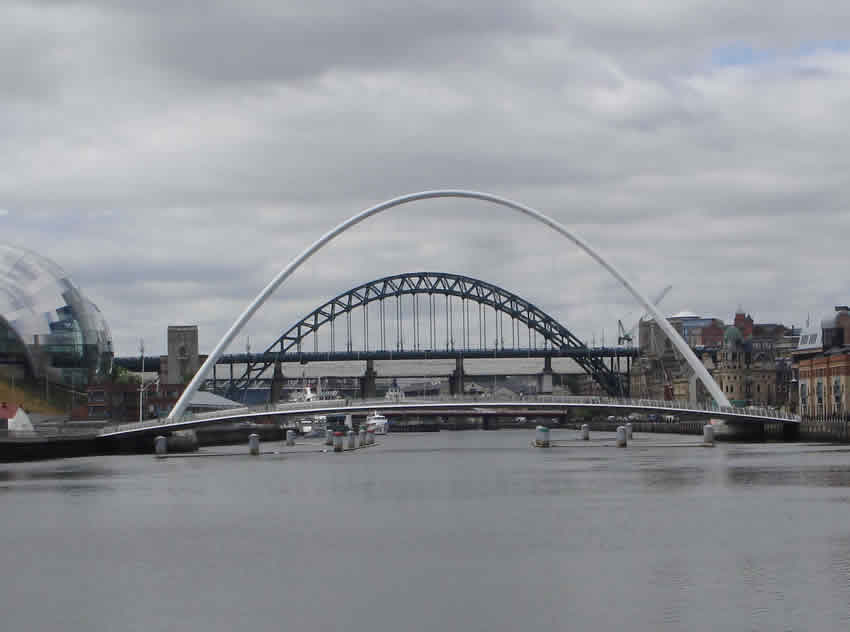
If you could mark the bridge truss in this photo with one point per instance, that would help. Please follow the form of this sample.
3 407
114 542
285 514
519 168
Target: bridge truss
441 293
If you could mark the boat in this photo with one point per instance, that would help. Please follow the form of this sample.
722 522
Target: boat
377 422
306 394
312 427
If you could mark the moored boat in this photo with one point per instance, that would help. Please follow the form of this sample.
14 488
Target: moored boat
378 423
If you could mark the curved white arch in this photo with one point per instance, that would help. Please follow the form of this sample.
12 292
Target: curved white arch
293 265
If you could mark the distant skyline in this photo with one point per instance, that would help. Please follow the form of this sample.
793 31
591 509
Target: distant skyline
173 160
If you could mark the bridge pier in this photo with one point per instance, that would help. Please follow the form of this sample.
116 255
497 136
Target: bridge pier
368 387
277 383
544 379
456 380
790 432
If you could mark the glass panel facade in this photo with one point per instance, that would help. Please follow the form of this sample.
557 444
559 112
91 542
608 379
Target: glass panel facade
47 322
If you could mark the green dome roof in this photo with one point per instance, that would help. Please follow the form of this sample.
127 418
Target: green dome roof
732 335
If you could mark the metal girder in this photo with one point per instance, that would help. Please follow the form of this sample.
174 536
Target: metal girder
440 283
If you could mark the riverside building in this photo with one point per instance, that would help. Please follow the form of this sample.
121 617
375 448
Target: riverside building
750 361
822 361
49 329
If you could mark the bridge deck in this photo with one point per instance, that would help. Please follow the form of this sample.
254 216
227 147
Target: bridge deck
152 362
542 404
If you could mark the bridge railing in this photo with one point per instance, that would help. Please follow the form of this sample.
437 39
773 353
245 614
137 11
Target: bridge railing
674 406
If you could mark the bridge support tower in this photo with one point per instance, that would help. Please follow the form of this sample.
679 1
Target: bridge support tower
277 383
456 380
544 380
368 387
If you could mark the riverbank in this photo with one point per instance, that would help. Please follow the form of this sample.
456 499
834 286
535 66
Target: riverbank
833 429
744 432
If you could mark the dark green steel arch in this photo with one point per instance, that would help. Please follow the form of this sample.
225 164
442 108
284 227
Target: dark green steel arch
444 284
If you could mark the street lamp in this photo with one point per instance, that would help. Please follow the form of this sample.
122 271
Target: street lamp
142 379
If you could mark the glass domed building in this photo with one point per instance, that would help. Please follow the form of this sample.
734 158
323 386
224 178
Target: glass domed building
47 324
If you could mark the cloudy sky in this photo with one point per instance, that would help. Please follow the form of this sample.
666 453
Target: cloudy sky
172 159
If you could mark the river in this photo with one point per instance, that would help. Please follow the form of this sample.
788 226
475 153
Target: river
446 531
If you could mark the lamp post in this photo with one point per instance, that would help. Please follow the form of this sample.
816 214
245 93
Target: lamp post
142 380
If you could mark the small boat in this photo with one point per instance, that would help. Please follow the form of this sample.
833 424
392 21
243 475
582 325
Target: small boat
312 427
377 422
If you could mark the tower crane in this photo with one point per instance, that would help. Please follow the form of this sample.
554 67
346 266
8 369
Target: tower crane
627 336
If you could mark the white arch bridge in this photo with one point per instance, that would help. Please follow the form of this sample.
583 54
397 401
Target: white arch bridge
678 342
540 405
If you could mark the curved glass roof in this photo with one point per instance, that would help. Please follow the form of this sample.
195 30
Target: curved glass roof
49 320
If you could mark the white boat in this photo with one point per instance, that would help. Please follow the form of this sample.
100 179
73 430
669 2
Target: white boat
377 422
306 394
313 426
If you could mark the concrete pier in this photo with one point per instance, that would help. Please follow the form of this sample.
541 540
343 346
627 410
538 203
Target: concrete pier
545 378
708 434
541 438
456 380
622 442
368 383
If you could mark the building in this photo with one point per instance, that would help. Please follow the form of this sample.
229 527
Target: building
127 400
48 328
749 361
822 361
118 402
698 332
112 401
183 359
660 372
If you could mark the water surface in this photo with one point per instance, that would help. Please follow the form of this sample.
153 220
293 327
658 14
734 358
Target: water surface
446 531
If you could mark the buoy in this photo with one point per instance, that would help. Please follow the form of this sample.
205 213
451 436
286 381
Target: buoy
541 439
254 444
160 445
621 437
708 435
290 437
585 432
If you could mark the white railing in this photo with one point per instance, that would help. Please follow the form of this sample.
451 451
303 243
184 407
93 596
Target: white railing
672 406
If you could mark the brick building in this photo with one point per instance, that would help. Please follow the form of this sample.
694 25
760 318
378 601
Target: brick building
822 361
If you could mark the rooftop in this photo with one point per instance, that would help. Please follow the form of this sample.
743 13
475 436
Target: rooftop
685 314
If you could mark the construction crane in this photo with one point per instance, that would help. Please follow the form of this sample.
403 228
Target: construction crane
627 336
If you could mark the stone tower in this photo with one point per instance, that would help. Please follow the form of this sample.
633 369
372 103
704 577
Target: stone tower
183 361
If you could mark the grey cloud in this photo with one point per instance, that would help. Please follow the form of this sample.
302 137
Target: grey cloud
270 41
173 160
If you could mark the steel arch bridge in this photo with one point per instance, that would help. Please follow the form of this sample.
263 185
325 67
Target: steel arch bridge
522 315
